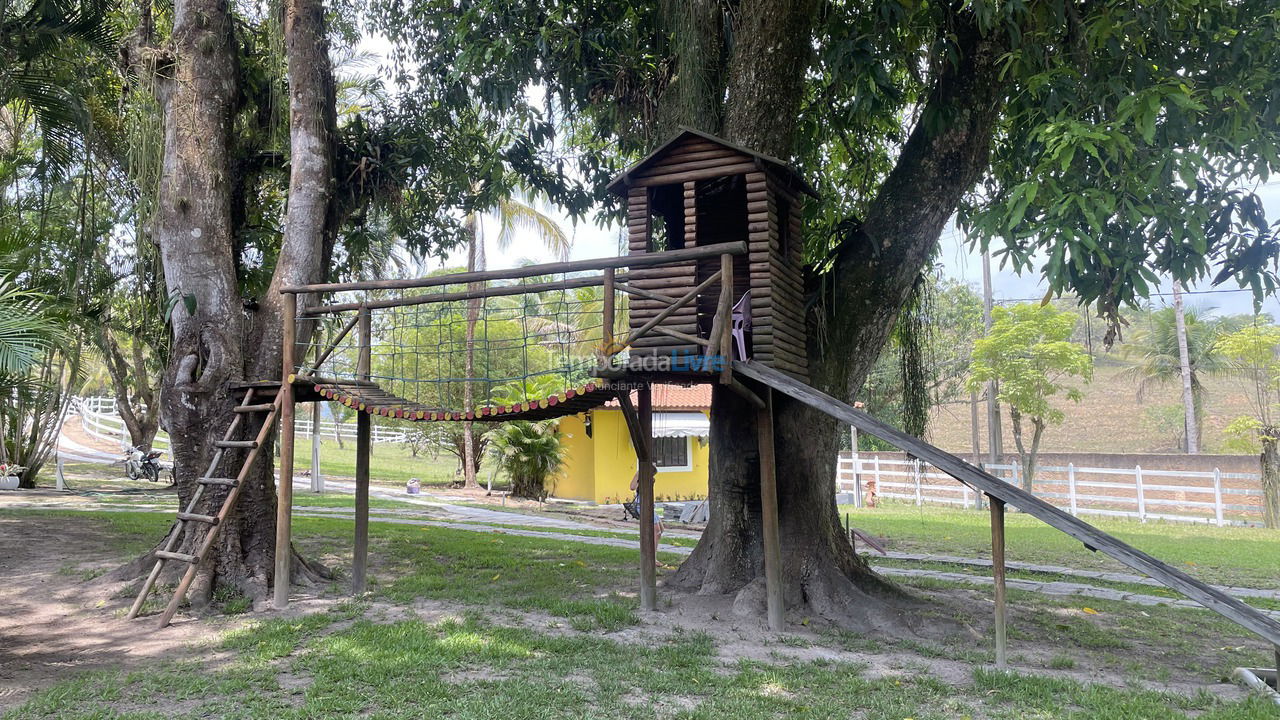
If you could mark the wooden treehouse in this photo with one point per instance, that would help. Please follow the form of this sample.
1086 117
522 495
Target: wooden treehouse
714 270
700 191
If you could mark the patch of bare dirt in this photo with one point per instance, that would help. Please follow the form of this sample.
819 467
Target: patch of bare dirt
53 622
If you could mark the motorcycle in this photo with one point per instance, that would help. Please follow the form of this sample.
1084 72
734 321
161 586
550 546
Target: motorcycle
145 465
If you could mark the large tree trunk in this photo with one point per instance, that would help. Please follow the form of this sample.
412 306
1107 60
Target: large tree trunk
215 341
875 271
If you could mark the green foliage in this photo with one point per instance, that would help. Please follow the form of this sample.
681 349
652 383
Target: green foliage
927 355
1255 349
1126 131
1124 148
44 45
1029 353
28 329
1154 347
1243 435
530 453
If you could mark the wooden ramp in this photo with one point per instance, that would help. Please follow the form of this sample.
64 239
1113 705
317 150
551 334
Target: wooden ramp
982 481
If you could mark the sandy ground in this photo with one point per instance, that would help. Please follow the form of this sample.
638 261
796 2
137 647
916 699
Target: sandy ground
52 622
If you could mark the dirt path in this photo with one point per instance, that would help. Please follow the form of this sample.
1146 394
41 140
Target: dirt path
50 625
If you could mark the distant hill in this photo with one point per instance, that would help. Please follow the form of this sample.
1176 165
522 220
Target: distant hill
1110 418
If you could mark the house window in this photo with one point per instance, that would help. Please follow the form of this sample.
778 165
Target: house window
671 454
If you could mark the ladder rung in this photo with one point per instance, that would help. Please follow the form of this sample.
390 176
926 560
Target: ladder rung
226 482
255 408
198 518
180 557
250 444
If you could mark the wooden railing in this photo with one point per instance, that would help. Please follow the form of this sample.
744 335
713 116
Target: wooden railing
719 340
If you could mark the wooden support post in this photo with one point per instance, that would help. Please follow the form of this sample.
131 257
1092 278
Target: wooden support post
726 318
284 491
648 549
1217 499
360 554
317 482
997 571
606 337
769 515
1071 487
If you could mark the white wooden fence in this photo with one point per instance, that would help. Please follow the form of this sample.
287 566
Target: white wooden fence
99 419
1215 497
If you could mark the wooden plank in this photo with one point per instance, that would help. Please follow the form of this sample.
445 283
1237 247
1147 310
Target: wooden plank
981 481
685 299
608 320
364 446
284 487
690 161
647 471
672 332
661 300
647 260
997 568
700 174
769 515
725 314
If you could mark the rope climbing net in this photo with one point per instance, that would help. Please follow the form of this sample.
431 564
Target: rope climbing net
465 355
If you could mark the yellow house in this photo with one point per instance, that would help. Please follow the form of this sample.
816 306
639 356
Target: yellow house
599 460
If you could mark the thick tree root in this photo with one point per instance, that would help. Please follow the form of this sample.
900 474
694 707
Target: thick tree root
253 584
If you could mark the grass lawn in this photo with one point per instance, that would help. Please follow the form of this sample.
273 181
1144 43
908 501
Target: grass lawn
468 625
390 463
1230 555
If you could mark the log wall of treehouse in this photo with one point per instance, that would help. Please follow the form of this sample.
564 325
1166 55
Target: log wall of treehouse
697 192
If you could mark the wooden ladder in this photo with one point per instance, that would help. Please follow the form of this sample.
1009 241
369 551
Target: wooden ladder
188 520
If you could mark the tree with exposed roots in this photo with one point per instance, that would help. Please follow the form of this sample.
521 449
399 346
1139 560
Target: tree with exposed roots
1109 138
218 337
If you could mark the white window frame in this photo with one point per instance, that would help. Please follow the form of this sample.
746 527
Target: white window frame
688 454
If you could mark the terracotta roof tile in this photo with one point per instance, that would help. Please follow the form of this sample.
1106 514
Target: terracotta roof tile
676 397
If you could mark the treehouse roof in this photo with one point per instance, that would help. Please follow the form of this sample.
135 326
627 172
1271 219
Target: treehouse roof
780 169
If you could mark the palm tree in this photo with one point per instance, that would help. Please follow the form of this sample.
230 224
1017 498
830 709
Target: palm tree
1154 355
514 215
34 37
530 453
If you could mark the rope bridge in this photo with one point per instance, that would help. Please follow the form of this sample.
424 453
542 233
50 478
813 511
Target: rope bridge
486 346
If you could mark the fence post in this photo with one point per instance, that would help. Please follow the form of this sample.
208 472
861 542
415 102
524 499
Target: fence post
877 472
1017 472
1142 500
915 470
1071 486
1217 496
857 481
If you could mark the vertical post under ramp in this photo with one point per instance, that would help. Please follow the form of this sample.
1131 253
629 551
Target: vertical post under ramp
997 571
769 514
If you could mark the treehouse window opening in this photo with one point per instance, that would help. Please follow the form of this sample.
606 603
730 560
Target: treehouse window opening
666 218
722 209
